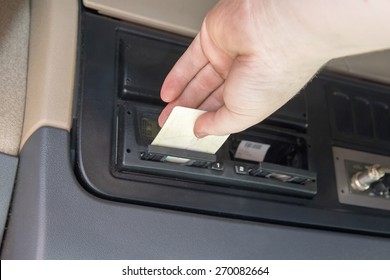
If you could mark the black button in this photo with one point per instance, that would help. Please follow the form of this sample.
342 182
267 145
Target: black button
217 166
241 169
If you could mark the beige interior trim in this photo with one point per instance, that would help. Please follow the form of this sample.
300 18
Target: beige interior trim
373 66
51 66
179 16
14 38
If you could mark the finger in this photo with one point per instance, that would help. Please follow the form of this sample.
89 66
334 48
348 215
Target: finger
248 98
185 69
201 86
162 118
214 101
222 122
204 83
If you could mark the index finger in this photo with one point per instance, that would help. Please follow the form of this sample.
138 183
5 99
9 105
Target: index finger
185 69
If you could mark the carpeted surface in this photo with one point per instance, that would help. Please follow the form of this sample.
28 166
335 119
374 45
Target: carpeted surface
14 35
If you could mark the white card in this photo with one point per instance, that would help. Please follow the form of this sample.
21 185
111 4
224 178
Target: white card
252 151
178 132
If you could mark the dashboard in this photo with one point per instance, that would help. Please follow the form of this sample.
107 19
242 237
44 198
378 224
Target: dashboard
94 187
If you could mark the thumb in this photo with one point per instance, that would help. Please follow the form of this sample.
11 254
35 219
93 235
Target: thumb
243 105
222 122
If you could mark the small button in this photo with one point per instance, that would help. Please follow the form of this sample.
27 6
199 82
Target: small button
241 169
217 166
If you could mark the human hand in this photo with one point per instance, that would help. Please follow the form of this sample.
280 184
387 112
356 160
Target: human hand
240 68
249 59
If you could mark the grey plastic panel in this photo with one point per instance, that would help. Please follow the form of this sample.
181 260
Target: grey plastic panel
344 192
53 217
8 166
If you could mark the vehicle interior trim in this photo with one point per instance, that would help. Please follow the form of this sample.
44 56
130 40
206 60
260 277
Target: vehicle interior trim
51 66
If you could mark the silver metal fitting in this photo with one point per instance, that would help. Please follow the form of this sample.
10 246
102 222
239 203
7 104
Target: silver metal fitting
361 181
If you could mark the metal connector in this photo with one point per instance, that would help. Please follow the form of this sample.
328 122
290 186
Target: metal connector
361 181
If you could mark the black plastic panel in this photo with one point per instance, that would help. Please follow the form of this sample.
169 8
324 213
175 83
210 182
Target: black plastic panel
287 155
360 114
116 122
143 61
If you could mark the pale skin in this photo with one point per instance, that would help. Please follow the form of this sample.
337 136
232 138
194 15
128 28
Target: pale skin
252 56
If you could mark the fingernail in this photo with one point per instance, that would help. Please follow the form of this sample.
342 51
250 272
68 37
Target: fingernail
200 134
